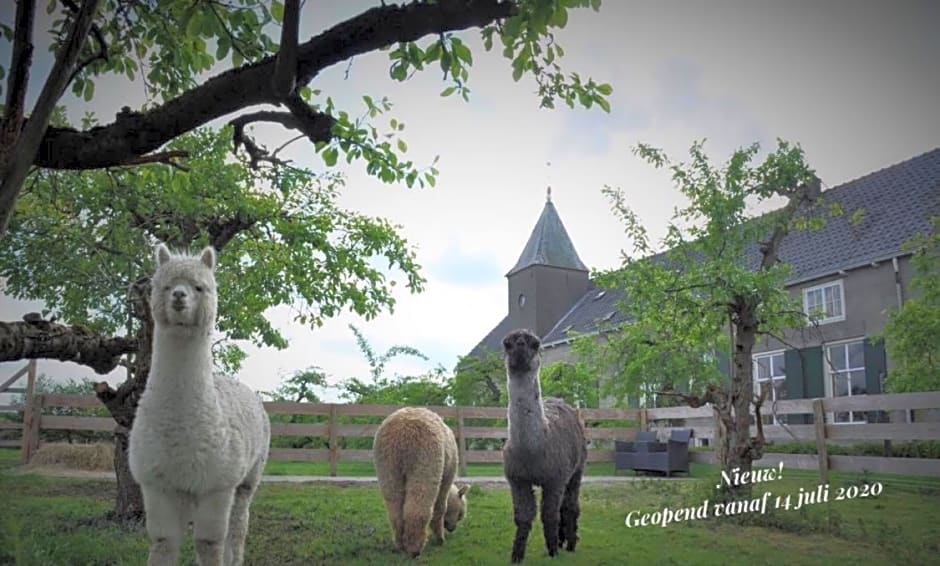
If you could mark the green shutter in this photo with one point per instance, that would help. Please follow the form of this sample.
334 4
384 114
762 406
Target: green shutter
804 378
794 379
813 372
874 366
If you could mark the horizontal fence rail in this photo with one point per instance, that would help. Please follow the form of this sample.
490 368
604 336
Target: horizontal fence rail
332 425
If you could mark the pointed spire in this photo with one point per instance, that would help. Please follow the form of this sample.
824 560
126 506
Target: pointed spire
549 243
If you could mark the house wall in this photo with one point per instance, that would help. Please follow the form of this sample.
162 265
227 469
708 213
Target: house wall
869 294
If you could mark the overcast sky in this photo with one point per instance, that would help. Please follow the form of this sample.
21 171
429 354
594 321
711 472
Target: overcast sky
856 83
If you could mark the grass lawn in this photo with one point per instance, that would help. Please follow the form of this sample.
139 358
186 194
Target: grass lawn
60 521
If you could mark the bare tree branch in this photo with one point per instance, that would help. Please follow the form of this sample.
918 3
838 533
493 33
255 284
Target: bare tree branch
18 161
35 338
317 126
101 54
284 80
19 75
166 157
134 133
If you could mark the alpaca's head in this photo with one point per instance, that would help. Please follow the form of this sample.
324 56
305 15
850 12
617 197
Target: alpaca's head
521 349
456 506
183 290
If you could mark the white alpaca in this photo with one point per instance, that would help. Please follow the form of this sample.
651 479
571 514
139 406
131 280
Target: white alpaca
199 442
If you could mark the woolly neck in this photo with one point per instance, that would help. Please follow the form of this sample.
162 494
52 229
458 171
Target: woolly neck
181 371
527 423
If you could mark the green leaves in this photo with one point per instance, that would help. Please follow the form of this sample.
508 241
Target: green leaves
680 301
296 246
912 335
529 43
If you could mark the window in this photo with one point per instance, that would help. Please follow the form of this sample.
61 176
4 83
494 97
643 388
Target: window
824 303
770 371
845 368
521 300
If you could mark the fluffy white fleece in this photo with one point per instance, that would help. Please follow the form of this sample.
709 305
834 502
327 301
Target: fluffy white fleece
199 442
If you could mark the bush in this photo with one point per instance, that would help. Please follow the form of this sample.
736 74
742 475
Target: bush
911 449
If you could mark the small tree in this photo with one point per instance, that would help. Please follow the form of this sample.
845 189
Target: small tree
720 282
80 240
480 381
574 382
912 335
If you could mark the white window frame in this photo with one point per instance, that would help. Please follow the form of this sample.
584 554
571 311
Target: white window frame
829 374
771 379
822 288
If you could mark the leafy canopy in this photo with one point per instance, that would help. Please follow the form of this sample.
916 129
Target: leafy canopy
80 238
681 302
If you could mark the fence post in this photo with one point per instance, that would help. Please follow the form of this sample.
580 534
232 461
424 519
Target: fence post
29 415
333 443
461 445
819 419
643 420
31 435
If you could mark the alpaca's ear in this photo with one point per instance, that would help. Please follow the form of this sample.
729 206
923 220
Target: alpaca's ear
162 254
208 257
462 490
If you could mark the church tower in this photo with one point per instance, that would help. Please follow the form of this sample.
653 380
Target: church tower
548 277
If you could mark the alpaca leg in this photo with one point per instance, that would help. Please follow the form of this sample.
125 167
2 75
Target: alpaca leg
164 526
570 511
440 507
437 516
393 492
523 506
416 513
394 504
551 514
238 518
211 525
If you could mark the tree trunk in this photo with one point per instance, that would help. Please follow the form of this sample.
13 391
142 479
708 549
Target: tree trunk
129 504
738 453
122 404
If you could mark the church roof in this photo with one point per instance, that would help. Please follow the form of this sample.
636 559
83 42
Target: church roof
549 243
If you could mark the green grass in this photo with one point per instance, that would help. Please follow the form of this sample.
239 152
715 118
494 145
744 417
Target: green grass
60 521
366 469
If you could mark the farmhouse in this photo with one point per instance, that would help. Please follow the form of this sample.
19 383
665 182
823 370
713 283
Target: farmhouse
850 274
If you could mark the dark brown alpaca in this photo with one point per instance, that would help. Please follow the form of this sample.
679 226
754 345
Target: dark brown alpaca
545 448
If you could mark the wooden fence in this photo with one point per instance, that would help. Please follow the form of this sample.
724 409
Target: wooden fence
618 424
29 370
824 430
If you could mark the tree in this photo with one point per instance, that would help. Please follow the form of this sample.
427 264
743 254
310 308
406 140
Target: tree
170 44
574 382
430 388
721 275
79 239
912 335
480 381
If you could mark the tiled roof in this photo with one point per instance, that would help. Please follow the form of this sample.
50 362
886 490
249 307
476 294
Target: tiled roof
549 244
897 202
492 342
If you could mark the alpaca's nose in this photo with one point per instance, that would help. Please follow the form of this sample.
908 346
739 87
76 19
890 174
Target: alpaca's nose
179 294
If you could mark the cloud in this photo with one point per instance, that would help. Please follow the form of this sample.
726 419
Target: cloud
460 267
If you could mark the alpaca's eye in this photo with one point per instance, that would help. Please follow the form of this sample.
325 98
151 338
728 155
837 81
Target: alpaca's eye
198 288
167 288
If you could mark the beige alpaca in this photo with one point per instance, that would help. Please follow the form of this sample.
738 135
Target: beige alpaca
416 462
